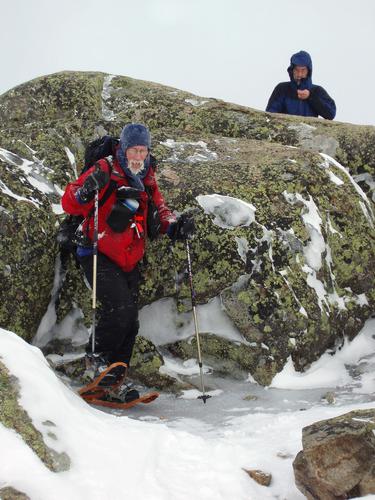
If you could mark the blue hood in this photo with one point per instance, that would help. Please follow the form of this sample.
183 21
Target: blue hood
301 58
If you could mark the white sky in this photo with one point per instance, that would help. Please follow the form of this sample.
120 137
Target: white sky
234 50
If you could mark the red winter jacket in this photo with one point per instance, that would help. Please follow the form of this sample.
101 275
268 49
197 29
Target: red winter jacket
126 248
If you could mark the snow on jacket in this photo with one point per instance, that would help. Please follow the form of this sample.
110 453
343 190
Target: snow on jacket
284 98
125 248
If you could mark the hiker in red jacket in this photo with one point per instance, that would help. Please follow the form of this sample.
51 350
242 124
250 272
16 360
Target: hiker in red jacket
125 184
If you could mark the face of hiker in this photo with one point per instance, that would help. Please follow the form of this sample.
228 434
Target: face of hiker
300 72
136 156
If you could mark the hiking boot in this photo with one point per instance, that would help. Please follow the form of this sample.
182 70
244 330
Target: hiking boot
113 377
128 393
125 395
95 365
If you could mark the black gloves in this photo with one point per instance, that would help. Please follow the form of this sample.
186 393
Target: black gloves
125 192
182 229
94 182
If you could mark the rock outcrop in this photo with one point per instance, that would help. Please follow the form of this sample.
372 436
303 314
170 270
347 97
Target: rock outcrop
286 213
338 457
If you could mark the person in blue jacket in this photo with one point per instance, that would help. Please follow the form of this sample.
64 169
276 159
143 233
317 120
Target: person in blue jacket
300 96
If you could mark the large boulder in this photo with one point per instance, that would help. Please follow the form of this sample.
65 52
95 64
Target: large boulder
285 225
338 457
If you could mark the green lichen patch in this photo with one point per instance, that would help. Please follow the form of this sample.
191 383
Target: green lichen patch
229 358
145 364
10 493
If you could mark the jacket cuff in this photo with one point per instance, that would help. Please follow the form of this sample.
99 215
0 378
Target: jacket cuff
78 197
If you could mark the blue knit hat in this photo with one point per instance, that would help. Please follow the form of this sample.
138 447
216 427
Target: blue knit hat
135 134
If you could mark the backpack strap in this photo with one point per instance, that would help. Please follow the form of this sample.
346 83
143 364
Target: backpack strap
111 185
110 188
153 163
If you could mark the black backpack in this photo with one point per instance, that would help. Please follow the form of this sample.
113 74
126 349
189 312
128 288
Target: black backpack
68 235
99 149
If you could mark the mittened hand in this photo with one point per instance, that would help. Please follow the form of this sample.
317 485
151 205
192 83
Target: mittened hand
94 182
186 227
125 192
182 229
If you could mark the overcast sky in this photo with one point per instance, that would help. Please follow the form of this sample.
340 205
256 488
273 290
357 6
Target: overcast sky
236 50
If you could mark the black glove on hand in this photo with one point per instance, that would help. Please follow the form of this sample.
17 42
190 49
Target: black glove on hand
94 182
182 229
125 192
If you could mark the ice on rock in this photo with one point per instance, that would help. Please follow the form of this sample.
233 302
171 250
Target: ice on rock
229 212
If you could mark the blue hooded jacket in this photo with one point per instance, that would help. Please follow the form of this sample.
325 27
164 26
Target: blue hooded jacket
284 98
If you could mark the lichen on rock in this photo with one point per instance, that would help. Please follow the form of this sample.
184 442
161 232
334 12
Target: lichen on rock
307 209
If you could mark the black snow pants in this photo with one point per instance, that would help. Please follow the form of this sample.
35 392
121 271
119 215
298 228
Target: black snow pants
117 294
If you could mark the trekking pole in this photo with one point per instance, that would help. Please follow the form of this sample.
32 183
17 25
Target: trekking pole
95 268
204 396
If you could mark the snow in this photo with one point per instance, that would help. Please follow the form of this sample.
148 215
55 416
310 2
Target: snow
302 310
336 180
202 153
196 102
331 228
159 322
44 332
194 394
174 366
72 161
317 247
365 204
242 248
15 160
178 448
35 174
107 452
162 324
362 299
57 209
70 327
229 212
10 193
32 170
318 286
311 217
107 113
330 371
367 178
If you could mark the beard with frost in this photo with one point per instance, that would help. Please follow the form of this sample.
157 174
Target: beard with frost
136 166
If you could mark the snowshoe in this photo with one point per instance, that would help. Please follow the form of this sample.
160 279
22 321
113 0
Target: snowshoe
111 399
111 395
125 395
